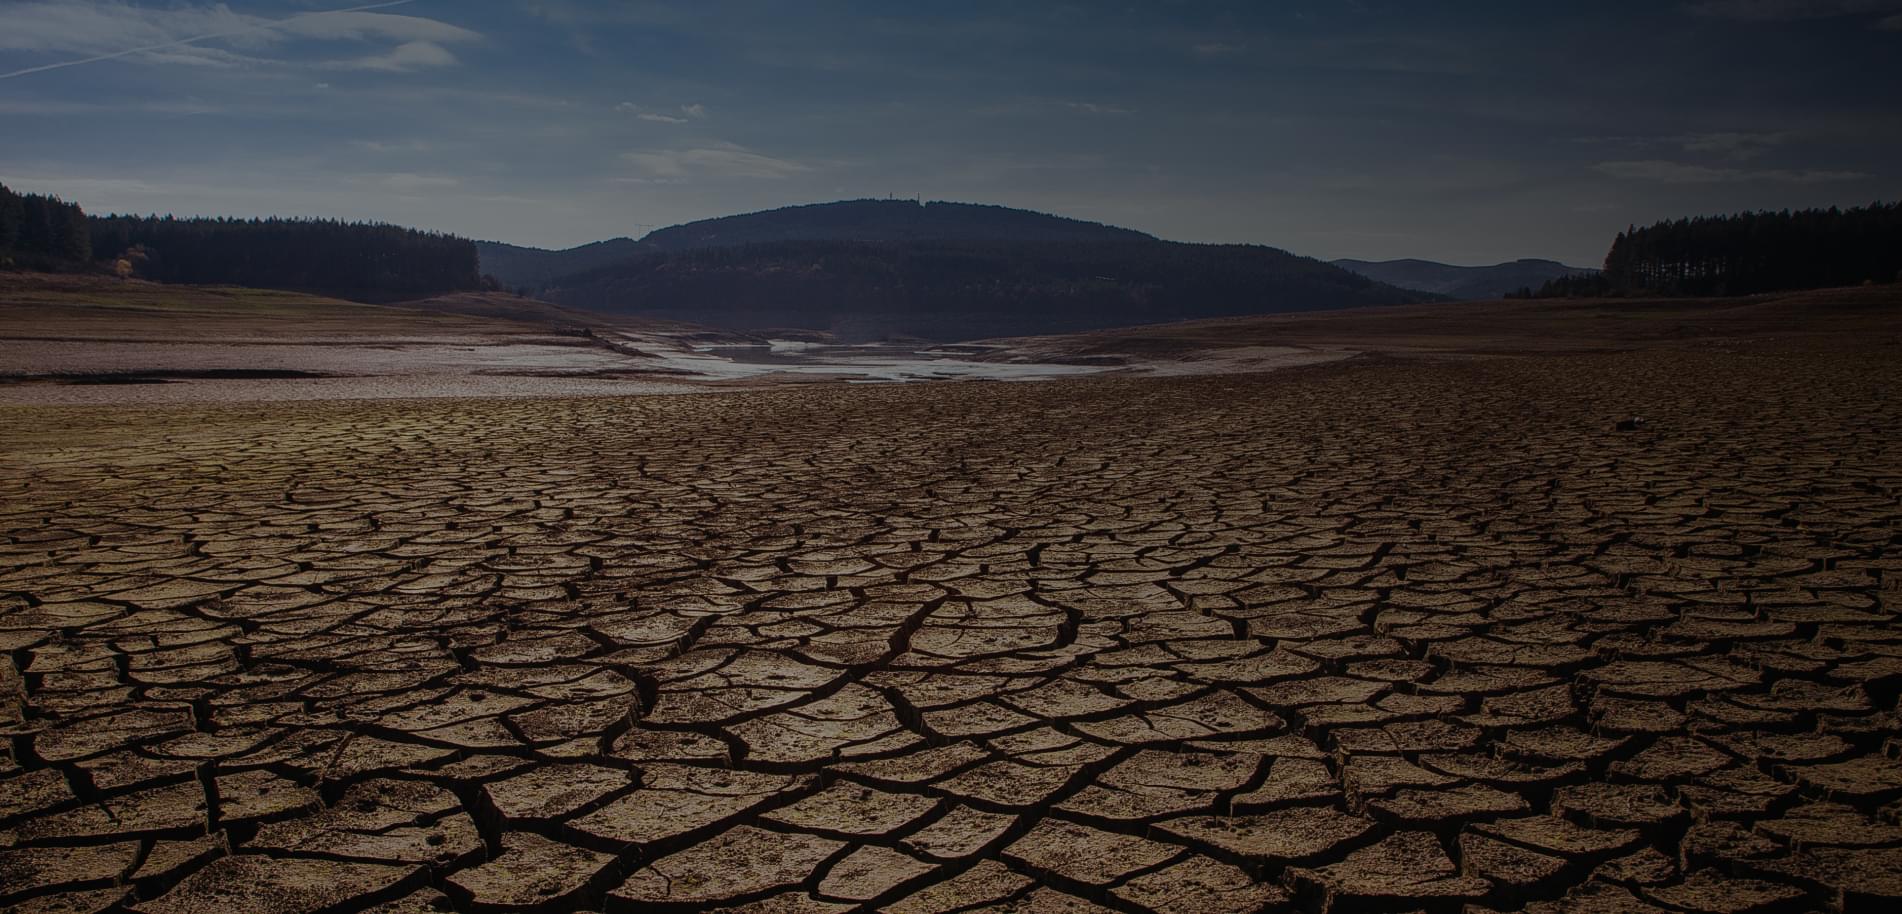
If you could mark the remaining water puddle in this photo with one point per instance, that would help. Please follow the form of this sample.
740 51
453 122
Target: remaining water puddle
865 363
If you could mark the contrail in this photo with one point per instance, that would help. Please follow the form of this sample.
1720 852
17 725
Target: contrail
197 38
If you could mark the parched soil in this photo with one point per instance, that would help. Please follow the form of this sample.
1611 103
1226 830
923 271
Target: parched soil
1513 327
92 341
1375 635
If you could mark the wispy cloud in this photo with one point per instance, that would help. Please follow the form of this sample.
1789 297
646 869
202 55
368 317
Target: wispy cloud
1735 145
1097 108
410 55
1215 48
1667 172
685 113
724 160
409 182
357 25
102 30
1732 144
41 107
386 146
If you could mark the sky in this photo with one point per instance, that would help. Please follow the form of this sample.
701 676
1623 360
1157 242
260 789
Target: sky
1466 132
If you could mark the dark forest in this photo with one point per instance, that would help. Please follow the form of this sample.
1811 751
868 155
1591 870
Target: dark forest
348 259
41 232
1747 253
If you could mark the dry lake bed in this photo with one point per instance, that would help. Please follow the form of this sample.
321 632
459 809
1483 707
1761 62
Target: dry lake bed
1420 629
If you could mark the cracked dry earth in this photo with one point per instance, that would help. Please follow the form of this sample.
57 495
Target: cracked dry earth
1374 636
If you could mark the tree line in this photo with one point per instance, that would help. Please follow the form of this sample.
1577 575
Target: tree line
372 261
350 259
41 232
1747 253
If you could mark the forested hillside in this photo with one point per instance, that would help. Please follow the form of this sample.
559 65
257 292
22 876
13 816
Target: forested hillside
345 259
369 261
1496 281
518 267
962 290
1761 252
1747 253
884 220
533 269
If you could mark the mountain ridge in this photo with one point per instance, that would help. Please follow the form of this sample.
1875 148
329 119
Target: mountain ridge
876 269
1458 282
860 220
884 220
523 267
957 290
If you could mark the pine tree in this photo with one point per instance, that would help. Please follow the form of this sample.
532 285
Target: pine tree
12 214
71 239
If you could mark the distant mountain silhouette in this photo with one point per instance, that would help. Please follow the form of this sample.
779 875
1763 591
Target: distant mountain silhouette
883 220
530 268
846 220
960 289
1462 282
874 269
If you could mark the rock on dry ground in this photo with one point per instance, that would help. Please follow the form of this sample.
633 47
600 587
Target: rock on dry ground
1374 636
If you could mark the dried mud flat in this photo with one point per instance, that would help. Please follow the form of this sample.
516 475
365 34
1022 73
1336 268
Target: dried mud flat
1377 635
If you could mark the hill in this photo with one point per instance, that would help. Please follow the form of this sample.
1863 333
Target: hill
520 267
884 220
964 289
530 268
1457 282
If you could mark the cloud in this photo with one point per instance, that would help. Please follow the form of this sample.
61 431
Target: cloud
1893 23
409 181
1731 145
386 147
1736 145
1789 10
80 27
101 30
1666 172
187 55
687 113
724 160
26 107
412 55
1094 108
188 107
107 31
364 26
1215 48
